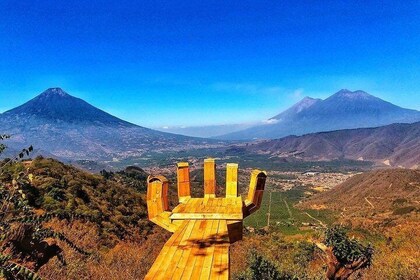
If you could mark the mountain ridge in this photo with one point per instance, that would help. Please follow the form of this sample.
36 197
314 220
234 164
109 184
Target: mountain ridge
56 104
384 190
343 110
394 145
68 127
303 104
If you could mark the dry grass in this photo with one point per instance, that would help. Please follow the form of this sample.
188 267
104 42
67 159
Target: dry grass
127 260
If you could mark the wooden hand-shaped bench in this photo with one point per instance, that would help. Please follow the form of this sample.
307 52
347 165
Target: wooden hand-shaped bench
203 227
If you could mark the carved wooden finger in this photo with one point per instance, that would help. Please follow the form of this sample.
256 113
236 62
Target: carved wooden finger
231 180
157 202
184 188
209 178
255 193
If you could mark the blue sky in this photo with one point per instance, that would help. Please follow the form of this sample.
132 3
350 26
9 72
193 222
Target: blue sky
165 63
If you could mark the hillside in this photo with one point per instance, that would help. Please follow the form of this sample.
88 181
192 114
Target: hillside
343 110
60 125
104 215
113 227
395 145
112 201
379 194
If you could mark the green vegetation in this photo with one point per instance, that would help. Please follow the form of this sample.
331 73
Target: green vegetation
285 217
261 268
36 196
343 255
114 203
98 224
23 234
347 250
404 210
276 256
3 137
245 160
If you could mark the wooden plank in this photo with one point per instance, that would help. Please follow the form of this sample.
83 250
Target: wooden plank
231 180
224 254
217 269
180 207
186 247
207 216
171 257
203 253
210 208
252 188
192 258
225 262
219 207
209 177
208 262
192 205
163 256
164 221
183 181
179 250
198 250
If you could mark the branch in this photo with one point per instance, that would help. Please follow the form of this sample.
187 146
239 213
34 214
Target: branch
321 246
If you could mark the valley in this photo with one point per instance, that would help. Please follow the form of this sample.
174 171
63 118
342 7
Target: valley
296 208
86 180
209 140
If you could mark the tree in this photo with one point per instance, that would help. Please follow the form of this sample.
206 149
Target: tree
344 256
2 146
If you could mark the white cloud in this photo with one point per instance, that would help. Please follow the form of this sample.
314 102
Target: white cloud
270 121
298 93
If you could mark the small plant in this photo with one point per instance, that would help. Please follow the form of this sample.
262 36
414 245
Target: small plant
261 268
343 255
404 210
3 137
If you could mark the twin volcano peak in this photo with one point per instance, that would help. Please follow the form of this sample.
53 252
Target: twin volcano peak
345 93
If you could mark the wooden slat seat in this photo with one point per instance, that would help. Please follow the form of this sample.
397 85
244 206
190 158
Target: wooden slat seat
209 208
199 249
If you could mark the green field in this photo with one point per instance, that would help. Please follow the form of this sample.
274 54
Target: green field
284 216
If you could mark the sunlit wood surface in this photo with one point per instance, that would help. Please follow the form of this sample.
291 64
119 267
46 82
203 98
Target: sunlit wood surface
199 249
209 208
203 227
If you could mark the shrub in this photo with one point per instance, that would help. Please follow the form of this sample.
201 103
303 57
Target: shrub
404 210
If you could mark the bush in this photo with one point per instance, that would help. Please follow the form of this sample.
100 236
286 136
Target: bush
404 210
261 268
345 249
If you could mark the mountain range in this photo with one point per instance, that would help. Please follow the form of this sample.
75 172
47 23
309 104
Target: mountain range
58 124
393 145
342 110
63 126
